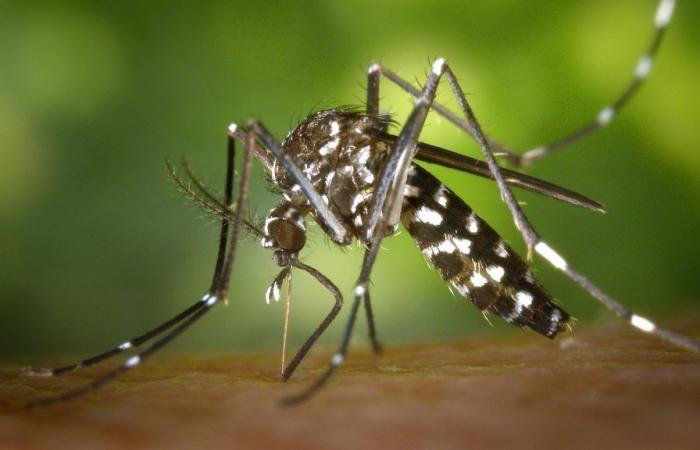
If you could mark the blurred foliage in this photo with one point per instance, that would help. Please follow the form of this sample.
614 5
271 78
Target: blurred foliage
98 246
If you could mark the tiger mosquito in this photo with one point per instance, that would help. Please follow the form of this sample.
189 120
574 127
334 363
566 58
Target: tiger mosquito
342 168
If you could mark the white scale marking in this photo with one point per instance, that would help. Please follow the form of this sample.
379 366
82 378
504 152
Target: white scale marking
268 220
359 198
554 320
329 178
643 67
335 128
133 361
337 360
441 196
536 152
517 310
125 346
329 147
463 245
446 246
357 221
427 215
472 224
664 13
496 272
274 289
642 323
439 66
363 155
550 255
366 175
524 298
411 191
605 116
478 280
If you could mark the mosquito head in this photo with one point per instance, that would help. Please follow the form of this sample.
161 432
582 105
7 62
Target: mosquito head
285 233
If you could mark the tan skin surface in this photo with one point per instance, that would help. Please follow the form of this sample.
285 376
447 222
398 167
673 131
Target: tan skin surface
610 388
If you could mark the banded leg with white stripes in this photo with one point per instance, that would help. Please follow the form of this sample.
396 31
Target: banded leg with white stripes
662 18
228 241
534 242
385 210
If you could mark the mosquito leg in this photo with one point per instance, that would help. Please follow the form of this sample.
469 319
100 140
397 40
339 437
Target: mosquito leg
373 77
139 340
341 234
339 356
127 345
533 240
220 284
216 293
387 199
371 328
372 108
664 12
328 284
208 302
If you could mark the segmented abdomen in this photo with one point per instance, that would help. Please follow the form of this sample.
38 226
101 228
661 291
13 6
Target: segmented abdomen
473 258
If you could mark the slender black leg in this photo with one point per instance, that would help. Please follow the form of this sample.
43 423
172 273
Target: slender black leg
531 237
340 355
333 289
664 12
127 345
341 233
384 213
216 293
371 328
139 340
662 18
533 240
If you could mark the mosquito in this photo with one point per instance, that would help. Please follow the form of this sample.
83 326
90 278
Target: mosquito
357 181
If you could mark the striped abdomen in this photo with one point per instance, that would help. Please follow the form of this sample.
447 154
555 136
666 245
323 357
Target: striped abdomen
473 258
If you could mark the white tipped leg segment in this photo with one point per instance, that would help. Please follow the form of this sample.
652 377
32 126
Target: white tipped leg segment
133 361
642 323
664 13
550 255
439 66
337 359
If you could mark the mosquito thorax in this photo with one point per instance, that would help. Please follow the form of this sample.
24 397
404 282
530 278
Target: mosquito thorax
340 154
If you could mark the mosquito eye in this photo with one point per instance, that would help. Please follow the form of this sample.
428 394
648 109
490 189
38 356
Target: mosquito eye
287 235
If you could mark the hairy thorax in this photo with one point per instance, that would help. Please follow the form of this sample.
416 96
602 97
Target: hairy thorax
338 152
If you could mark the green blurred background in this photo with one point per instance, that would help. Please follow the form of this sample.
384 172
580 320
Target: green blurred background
97 245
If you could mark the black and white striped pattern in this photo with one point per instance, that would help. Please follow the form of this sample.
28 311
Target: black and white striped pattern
473 258
662 17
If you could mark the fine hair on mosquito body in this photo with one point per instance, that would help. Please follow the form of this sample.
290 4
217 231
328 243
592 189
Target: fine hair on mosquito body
344 169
